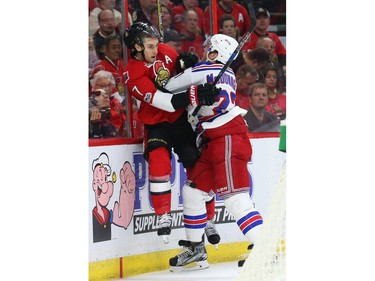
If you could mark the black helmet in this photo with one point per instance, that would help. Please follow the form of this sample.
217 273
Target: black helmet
136 32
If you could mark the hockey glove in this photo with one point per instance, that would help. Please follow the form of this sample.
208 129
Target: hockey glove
196 96
202 94
185 60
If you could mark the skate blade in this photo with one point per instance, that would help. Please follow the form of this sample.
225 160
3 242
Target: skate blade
194 266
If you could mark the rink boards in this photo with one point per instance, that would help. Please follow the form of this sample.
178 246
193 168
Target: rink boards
123 241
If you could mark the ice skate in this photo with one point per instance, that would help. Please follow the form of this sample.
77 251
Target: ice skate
164 226
193 257
244 257
213 236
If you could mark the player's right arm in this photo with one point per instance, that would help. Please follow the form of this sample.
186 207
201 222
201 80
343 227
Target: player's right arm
143 88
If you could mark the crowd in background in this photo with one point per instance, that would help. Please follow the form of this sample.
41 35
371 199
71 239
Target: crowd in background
260 67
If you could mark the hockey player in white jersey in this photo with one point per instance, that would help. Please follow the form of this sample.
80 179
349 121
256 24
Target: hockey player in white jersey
225 152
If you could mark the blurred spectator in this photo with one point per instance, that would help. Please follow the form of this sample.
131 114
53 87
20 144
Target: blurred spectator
106 27
141 11
106 115
179 10
269 44
257 58
233 8
168 3
194 41
113 63
263 19
246 76
92 4
103 5
174 39
258 119
93 57
100 125
166 18
277 100
227 26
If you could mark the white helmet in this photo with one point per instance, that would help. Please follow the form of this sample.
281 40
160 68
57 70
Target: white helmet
224 45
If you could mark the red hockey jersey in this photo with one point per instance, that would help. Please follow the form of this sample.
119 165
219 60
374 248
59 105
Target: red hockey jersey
141 79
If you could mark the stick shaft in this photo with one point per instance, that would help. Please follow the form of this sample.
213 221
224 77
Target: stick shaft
240 44
238 49
160 20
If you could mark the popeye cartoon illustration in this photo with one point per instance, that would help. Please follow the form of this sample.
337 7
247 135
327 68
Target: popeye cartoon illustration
103 186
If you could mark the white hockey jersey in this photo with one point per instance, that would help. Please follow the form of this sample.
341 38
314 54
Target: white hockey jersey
224 108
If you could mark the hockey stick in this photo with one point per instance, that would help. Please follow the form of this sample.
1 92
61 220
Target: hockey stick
160 21
242 42
237 50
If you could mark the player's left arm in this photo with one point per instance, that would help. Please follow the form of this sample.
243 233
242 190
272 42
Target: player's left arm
182 81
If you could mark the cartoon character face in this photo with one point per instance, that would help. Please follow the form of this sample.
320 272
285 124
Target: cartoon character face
102 187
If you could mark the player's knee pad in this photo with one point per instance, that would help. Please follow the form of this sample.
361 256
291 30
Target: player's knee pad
159 164
194 199
246 215
195 216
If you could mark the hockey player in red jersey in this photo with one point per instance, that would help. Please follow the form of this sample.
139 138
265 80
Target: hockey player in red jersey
151 65
225 153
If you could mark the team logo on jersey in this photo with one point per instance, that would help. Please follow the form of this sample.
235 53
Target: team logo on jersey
161 73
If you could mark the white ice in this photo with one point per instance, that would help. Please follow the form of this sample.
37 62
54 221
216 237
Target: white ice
216 272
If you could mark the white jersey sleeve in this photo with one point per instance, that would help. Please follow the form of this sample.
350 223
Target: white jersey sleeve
220 112
181 82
